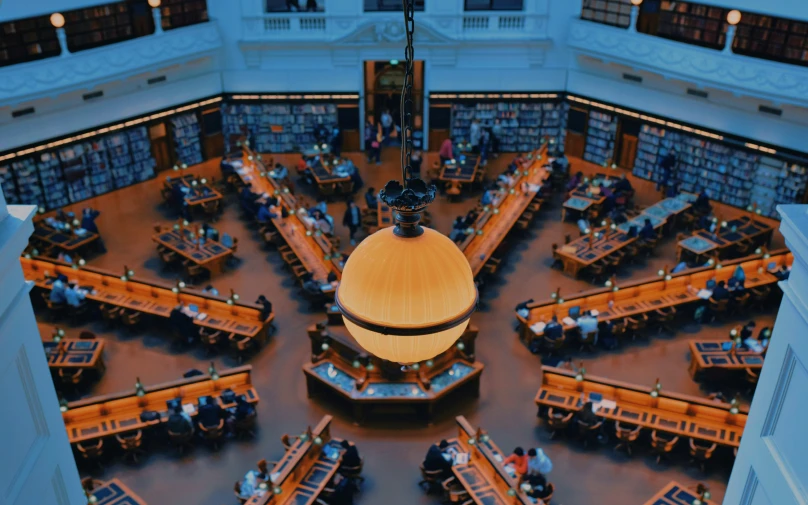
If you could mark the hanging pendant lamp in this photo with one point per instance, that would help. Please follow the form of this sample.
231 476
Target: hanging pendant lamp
407 292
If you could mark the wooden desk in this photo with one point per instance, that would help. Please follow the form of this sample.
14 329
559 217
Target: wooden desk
153 298
114 492
676 494
669 209
315 250
462 171
211 255
73 353
578 254
647 295
681 415
66 241
366 381
305 469
744 229
109 415
199 194
484 477
711 354
328 183
497 219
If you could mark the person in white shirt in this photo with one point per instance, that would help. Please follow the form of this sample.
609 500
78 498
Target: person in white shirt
538 462
588 324
210 290
474 135
280 173
387 124
74 296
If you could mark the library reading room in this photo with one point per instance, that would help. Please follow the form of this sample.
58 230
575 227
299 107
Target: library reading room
403 252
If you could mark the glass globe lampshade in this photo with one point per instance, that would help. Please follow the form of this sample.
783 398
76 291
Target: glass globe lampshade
407 292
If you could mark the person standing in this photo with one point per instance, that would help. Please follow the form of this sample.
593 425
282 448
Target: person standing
496 135
387 124
336 141
415 164
475 133
446 150
352 219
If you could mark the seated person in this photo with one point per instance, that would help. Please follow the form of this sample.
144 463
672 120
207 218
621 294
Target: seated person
457 234
681 266
538 486
210 290
343 491
58 288
720 292
588 323
618 216
583 226
436 459
704 222
522 309
672 191
74 296
280 173
538 462
321 205
310 285
488 196
648 232
702 203
764 336
244 409
575 181
782 273
248 198
747 331
210 413
266 307
179 422
323 223
518 459
606 335
587 416
471 218
553 330
227 240
332 278
210 232
182 323
350 457
623 184
371 200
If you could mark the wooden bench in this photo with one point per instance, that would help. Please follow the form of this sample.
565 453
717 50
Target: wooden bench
119 413
681 415
153 298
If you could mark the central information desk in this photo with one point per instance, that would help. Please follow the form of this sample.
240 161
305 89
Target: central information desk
681 415
115 414
152 297
315 251
708 356
648 295
308 466
484 477
677 494
114 492
498 219
339 365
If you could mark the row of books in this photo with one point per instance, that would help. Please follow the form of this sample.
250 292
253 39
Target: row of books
600 136
278 128
523 124
187 143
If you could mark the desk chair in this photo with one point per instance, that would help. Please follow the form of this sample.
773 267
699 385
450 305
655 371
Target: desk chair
237 492
492 265
740 303
110 313
286 440
354 473
432 479
614 260
647 246
167 256
626 434
453 491
212 434
131 444
71 378
77 314
635 324
245 428
558 421
752 378
587 432
55 309
130 318
212 210
717 308
743 247
210 339
597 270
663 318
701 453
587 340
289 256
241 346
193 271
662 444
181 440
558 263
86 335
91 451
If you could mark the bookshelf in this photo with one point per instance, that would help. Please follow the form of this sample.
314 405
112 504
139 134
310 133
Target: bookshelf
523 124
276 128
187 145
772 38
143 162
78 180
27 40
693 23
778 181
98 26
8 186
600 135
50 175
177 13
30 189
609 12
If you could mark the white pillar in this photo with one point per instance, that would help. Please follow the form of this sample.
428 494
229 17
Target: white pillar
37 464
158 20
635 12
729 39
62 37
771 465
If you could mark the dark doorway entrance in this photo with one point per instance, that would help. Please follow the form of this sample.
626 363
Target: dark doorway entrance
383 83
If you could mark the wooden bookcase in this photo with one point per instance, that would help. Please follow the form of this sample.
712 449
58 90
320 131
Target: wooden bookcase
608 12
98 26
178 13
772 38
26 40
693 23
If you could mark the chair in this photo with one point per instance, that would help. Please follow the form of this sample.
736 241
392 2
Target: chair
491 266
663 318
210 339
110 313
752 378
130 318
242 346
740 303
86 335
193 271
131 444
54 308
353 472
211 209
635 324
245 428
626 435
550 346
168 256
432 479
549 490
71 377
588 431
558 422
91 453
212 434
661 445
286 441
588 340
760 294
701 453
717 307
453 491
181 440
597 269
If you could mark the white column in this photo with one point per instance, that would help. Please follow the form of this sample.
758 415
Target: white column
773 457
61 36
158 20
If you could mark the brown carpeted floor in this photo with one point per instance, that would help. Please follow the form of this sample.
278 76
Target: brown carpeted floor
392 446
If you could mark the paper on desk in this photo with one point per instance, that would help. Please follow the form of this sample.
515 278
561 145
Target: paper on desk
461 458
753 344
594 313
538 327
201 316
188 408
569 321
704 294
603 404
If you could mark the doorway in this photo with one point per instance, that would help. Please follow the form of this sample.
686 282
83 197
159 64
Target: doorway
383 83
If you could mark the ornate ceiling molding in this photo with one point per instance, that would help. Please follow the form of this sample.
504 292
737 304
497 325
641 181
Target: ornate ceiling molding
706 67
89 68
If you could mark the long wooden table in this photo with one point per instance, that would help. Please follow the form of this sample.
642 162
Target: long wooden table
600 243
722 243
210 255
72 353
484 477
198 193
721 354
462 171
153 298
681 415
676 494
328 182
669 209
67 241
114 492
315 251
496 220
341 366
647 295
582 199
305 470
109 415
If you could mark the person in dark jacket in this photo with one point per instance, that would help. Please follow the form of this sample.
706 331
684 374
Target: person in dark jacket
350 458
244 409
179 422
371 200
210 413
436 460
648 232
352 219
720 292
182 323
553 330
266 307
587 415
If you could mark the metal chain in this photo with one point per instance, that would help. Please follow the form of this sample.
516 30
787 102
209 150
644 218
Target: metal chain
406 93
